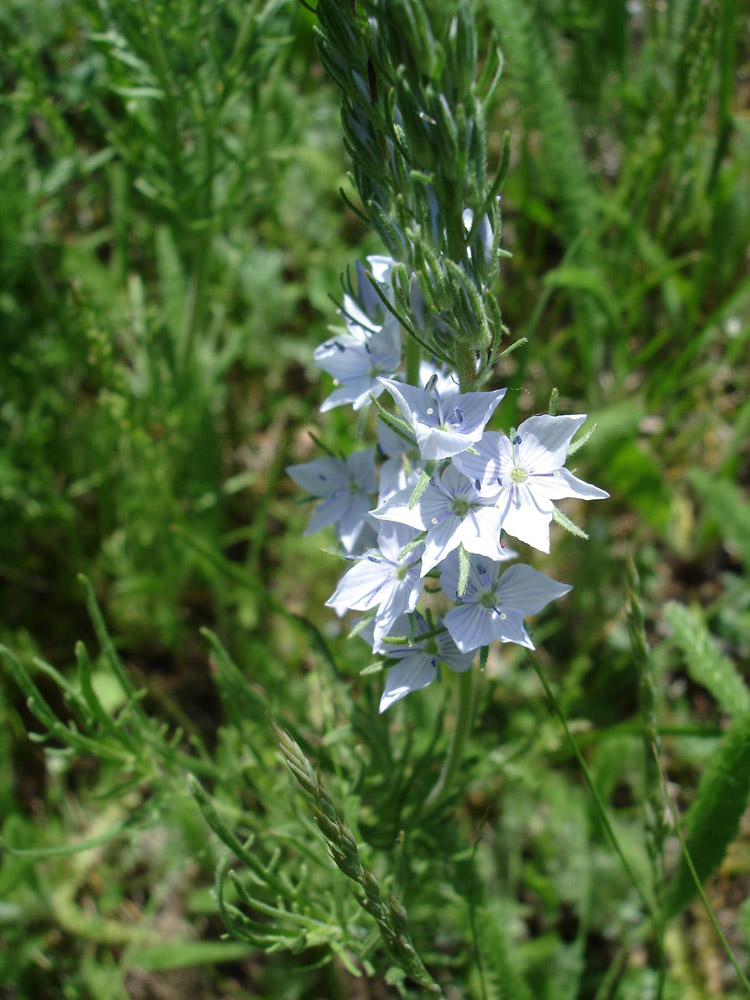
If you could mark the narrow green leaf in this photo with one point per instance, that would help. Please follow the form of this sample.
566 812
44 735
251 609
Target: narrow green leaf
422 483
464 566
64 849
396 424
179 954
366 618
413 544
564 521
581 441
218 825
513 347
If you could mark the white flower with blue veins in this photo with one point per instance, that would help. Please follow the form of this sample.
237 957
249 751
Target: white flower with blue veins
420 658
452 512
443 427
494 606
529 471
346 485
356 359
382 580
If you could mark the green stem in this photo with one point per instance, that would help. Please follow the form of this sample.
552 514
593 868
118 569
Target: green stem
413 357
460 733
466 367
590 782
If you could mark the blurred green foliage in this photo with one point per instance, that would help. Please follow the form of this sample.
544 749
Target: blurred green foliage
170 232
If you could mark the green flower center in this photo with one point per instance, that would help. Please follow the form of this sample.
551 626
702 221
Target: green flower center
518 475
461 507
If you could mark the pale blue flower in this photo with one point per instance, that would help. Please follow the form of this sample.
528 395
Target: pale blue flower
443 427
356 359
494 606
529 470
453 513
382 580
419 659
346 486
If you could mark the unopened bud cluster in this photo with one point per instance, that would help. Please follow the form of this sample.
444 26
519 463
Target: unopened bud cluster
413 114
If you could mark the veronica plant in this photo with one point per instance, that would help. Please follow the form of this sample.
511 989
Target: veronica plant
413 112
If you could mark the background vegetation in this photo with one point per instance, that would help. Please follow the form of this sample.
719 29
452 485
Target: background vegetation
170 234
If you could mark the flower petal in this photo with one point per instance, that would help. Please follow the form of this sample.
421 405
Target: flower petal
527 590
355 392
441 539
362 587
508 627
480 533
470 626
353 520
412 401
476 408
528 516
321 477
436 443
328 512
545 440
452 656
562 484
343 357
396 508
361 466
414 672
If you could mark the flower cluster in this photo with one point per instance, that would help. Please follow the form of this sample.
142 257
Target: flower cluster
439 502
